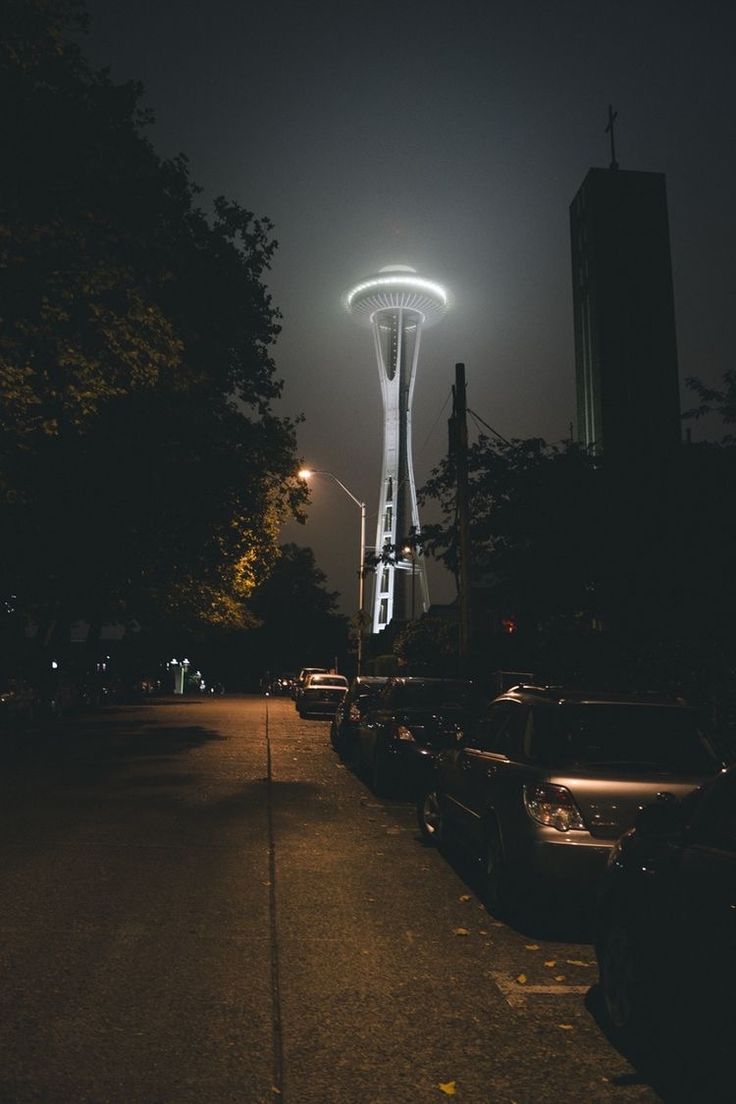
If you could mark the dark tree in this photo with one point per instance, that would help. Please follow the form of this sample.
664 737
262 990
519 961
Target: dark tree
600 572
300 625
142 471
720 401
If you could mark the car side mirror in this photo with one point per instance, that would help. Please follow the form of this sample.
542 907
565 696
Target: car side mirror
664 818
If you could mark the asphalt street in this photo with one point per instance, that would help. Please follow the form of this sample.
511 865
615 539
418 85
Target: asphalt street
200 903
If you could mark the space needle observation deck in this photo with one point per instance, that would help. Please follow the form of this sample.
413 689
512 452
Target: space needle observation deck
396 304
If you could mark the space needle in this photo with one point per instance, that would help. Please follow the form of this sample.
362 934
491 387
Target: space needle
397 303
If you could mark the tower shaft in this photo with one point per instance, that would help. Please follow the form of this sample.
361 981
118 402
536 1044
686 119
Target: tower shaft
400 583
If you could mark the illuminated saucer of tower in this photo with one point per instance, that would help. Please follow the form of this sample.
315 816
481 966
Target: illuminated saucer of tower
397 303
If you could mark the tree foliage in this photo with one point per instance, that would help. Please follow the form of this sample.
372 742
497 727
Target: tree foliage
142 469
622 572
300 624
720 401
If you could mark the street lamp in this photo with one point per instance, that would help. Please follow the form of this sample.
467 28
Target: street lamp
305 473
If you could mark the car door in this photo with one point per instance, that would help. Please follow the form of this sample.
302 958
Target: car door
473 773
705 902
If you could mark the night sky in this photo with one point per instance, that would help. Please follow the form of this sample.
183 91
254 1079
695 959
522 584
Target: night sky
451 137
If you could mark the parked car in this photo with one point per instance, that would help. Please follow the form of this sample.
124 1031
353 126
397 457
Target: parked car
20 705
541 787
283 684
402 730
321 695
303 676
666 934
362 693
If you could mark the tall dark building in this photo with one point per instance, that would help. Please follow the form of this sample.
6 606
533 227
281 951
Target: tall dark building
628 402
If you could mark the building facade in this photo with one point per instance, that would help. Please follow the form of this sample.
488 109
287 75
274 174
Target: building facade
628 402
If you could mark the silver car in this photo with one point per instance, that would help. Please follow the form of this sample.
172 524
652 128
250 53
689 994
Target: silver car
321 695
543 784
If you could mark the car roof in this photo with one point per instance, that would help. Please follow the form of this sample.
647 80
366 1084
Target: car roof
560 695
414 679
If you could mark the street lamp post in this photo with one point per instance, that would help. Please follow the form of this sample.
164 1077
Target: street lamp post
305 474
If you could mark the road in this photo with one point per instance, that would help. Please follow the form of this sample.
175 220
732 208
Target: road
201 904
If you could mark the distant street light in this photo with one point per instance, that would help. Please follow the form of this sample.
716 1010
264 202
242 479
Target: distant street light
305 473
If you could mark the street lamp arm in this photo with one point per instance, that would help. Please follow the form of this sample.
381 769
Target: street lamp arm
320 471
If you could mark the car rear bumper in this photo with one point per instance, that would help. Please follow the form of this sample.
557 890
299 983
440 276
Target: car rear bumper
561 859
321 708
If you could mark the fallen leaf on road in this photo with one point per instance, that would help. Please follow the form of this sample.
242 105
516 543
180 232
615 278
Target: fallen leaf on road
565 1027
551 962
521 979
559 977
531 947
482 932
464 897
460 931
577 962
449 1088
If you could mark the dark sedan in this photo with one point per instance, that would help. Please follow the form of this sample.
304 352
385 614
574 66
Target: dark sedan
410 721
363 692
666 935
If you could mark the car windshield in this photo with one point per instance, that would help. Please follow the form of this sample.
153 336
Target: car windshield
433 695
328 680
627 736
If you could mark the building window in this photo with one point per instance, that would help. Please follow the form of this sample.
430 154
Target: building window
383 612
384 580
390 490
389 519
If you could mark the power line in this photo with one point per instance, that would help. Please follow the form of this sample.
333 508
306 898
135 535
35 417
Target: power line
493 431
436 421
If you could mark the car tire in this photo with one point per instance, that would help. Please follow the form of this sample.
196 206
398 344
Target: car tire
430 819
497 889
302 715
338 745
619 981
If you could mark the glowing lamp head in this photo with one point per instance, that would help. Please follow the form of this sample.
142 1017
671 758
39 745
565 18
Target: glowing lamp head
397 287
304 473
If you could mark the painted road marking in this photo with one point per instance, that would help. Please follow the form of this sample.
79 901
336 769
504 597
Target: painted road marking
515 994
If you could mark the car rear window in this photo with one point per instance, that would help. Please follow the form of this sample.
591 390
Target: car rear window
661 738
328 680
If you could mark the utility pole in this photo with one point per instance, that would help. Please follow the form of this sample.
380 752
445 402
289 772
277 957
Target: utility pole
459 449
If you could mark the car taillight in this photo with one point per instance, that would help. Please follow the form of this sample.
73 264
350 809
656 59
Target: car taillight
401 732
553 806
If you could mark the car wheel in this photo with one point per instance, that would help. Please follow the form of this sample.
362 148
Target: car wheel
618 977
302 715
496 881
429 816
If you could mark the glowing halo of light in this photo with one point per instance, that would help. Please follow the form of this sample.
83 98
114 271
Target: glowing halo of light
397 286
